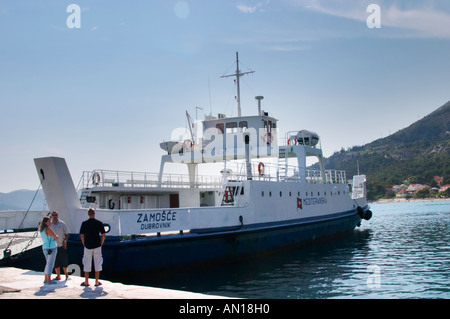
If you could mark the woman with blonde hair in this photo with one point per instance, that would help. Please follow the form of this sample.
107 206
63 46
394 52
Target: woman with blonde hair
49 247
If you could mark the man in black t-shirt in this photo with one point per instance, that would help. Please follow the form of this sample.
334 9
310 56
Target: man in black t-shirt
90 237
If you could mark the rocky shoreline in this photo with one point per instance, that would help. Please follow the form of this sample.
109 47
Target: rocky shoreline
407 200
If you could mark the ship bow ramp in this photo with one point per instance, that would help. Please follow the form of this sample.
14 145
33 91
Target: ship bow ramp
59 189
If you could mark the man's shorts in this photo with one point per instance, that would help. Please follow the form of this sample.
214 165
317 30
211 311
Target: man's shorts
90 254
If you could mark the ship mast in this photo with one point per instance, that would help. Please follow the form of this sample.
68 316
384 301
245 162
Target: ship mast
238 74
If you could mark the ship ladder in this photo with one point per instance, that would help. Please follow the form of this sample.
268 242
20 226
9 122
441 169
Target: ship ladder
283 166
228 196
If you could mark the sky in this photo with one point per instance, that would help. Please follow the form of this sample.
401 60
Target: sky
102 86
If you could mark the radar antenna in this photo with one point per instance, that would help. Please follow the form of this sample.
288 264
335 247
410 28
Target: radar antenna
238 74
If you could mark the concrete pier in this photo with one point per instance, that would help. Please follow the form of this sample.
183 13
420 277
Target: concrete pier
18 283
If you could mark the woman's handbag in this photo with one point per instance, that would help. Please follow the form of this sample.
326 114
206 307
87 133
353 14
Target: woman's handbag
49 251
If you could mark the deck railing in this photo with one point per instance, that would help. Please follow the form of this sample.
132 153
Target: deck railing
268 172
107 178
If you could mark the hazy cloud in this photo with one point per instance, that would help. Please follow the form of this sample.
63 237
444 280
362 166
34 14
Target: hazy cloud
251 8
424 19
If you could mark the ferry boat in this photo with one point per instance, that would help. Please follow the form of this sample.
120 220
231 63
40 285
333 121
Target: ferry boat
262 198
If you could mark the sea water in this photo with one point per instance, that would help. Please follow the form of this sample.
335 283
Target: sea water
402 252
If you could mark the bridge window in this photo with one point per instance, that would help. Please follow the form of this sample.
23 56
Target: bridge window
220 127
231 127
243 126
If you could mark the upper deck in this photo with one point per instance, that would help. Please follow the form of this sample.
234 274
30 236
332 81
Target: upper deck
116 180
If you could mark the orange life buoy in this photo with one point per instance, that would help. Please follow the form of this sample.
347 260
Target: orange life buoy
187 145
261 169
292 142
96 178
267 138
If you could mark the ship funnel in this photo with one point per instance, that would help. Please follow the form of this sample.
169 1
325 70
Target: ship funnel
259 98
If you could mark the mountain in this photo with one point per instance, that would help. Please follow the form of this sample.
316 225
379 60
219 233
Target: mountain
416 153
21 200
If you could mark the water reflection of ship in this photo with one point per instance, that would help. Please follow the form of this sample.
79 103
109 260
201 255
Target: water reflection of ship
300 272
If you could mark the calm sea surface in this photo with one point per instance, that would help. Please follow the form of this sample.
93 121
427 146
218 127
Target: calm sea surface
402 252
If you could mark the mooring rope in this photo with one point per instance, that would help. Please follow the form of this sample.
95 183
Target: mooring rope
7 251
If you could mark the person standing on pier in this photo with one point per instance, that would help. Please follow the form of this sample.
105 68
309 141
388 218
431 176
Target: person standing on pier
90 232
60 229
49 247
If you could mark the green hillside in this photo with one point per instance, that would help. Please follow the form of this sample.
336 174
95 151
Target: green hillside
416 153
